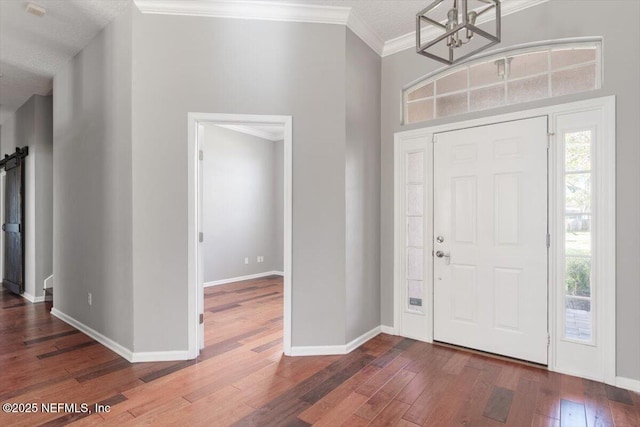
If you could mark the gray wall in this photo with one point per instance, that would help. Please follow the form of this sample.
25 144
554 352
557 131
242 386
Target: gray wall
618 24
31 125
92 184
248 67
240 204
362 187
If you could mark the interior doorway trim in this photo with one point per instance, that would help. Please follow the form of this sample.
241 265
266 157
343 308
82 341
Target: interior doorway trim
195 276
604 192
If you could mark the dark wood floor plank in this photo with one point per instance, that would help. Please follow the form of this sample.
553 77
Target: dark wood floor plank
267 346
103 369
51 337
499 404
618 394
67 349
572 414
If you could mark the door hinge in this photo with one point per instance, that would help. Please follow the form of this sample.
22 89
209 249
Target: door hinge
201 318
548 240
201 237
548 339
201 155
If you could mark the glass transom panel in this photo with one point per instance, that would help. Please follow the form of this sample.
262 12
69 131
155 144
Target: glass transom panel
517 76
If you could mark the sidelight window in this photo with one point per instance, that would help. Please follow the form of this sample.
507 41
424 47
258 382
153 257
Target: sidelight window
578 244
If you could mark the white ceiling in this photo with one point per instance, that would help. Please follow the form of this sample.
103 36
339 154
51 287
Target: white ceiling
33 48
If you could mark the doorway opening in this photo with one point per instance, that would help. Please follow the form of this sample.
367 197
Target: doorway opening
240 231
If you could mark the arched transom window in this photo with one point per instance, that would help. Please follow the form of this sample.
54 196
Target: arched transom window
509 77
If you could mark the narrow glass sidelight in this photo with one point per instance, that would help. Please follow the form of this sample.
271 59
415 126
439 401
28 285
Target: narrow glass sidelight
578 241
414 230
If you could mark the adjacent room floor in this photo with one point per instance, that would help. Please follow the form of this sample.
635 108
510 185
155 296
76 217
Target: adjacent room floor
242 378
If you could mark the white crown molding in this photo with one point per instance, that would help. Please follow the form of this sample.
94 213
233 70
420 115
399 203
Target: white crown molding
267 11
317 14
276 135
408 41
239 9
361 29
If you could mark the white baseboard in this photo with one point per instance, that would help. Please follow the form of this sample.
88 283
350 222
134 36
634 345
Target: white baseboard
133 357
389 330
107 342
352 345
325 350
241 278
32 298
159 356
48 282
628 383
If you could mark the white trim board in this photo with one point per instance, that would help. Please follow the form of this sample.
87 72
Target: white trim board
133 357
107 342
325 350
31 298
241 278
316 14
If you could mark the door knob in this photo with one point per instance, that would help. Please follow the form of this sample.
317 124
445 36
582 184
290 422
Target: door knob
441 254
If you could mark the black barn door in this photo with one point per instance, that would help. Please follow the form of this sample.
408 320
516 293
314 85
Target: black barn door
13 227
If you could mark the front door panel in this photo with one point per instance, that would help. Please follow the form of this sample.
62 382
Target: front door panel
490 227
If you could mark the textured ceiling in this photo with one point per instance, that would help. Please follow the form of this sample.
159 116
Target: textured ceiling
33 48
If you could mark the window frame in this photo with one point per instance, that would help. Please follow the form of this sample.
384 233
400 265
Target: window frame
502 54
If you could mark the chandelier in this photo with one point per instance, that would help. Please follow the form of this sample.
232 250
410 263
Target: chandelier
459 37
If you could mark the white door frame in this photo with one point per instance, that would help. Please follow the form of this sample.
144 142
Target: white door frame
195 277
605 190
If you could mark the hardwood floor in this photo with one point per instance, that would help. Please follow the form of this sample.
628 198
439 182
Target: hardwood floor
242 379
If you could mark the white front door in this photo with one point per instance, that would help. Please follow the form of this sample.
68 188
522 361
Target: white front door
490 238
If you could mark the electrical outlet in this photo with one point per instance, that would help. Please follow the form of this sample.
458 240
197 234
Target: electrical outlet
246 260
260 258
89 298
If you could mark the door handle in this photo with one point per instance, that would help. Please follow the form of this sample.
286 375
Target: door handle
447 255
